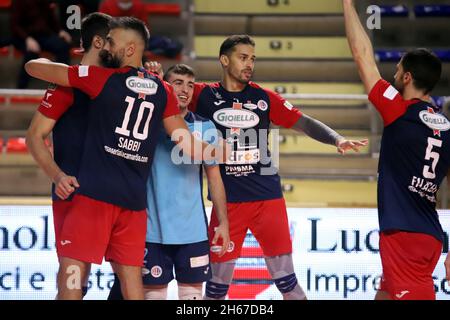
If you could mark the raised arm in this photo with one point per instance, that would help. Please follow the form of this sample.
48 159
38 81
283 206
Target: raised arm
49 71
360 46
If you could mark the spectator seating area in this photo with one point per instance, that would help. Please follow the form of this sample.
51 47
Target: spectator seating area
301 48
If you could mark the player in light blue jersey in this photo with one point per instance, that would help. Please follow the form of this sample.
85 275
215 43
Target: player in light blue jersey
177 230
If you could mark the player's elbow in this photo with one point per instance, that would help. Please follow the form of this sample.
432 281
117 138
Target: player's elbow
30 138
31 67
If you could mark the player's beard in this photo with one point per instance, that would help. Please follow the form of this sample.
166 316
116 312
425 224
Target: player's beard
241 78
109 60
399 86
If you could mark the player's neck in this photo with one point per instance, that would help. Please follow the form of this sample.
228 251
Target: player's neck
411 93
183 112
232 85
91 58
132 62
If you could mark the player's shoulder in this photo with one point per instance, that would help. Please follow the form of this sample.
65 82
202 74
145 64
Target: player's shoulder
205 85
193 117
98 71
257 88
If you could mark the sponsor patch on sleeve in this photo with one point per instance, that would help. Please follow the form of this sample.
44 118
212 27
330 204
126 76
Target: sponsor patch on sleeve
83 71
390 93
288 105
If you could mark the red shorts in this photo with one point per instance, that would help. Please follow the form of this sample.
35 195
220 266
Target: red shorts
94 229
60 208
268 222
408 260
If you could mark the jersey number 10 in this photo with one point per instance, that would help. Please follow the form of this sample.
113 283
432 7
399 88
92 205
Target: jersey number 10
430 154
123 130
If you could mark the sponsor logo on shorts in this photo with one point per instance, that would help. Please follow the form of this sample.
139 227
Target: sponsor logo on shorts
64 242
156 271
401 294
200 261
206 270
145 271
230 246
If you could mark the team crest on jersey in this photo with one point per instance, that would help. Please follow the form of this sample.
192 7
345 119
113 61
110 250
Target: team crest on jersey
156 271
435 121
262 105
236 118
142 86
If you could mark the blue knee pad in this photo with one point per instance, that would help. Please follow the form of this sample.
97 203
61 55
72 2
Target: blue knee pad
286 284
216 290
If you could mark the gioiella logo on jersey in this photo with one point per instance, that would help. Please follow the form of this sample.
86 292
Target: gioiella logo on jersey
435 121
236 118
141 85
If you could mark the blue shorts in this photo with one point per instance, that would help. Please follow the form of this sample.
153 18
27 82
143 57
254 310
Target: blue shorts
189 261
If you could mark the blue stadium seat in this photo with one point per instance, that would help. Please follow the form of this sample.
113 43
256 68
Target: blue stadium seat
393 55
388 55
439 102
432 10
444 55
394 11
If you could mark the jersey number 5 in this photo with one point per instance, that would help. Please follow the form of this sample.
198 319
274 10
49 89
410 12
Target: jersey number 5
123 130
430 154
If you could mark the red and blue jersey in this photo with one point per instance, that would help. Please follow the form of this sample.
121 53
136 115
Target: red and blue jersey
69 107
125 115
414 160
244 119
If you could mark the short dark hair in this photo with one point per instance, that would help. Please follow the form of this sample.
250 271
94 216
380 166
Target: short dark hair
182 69
425 68
94 24
132 24
232 41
